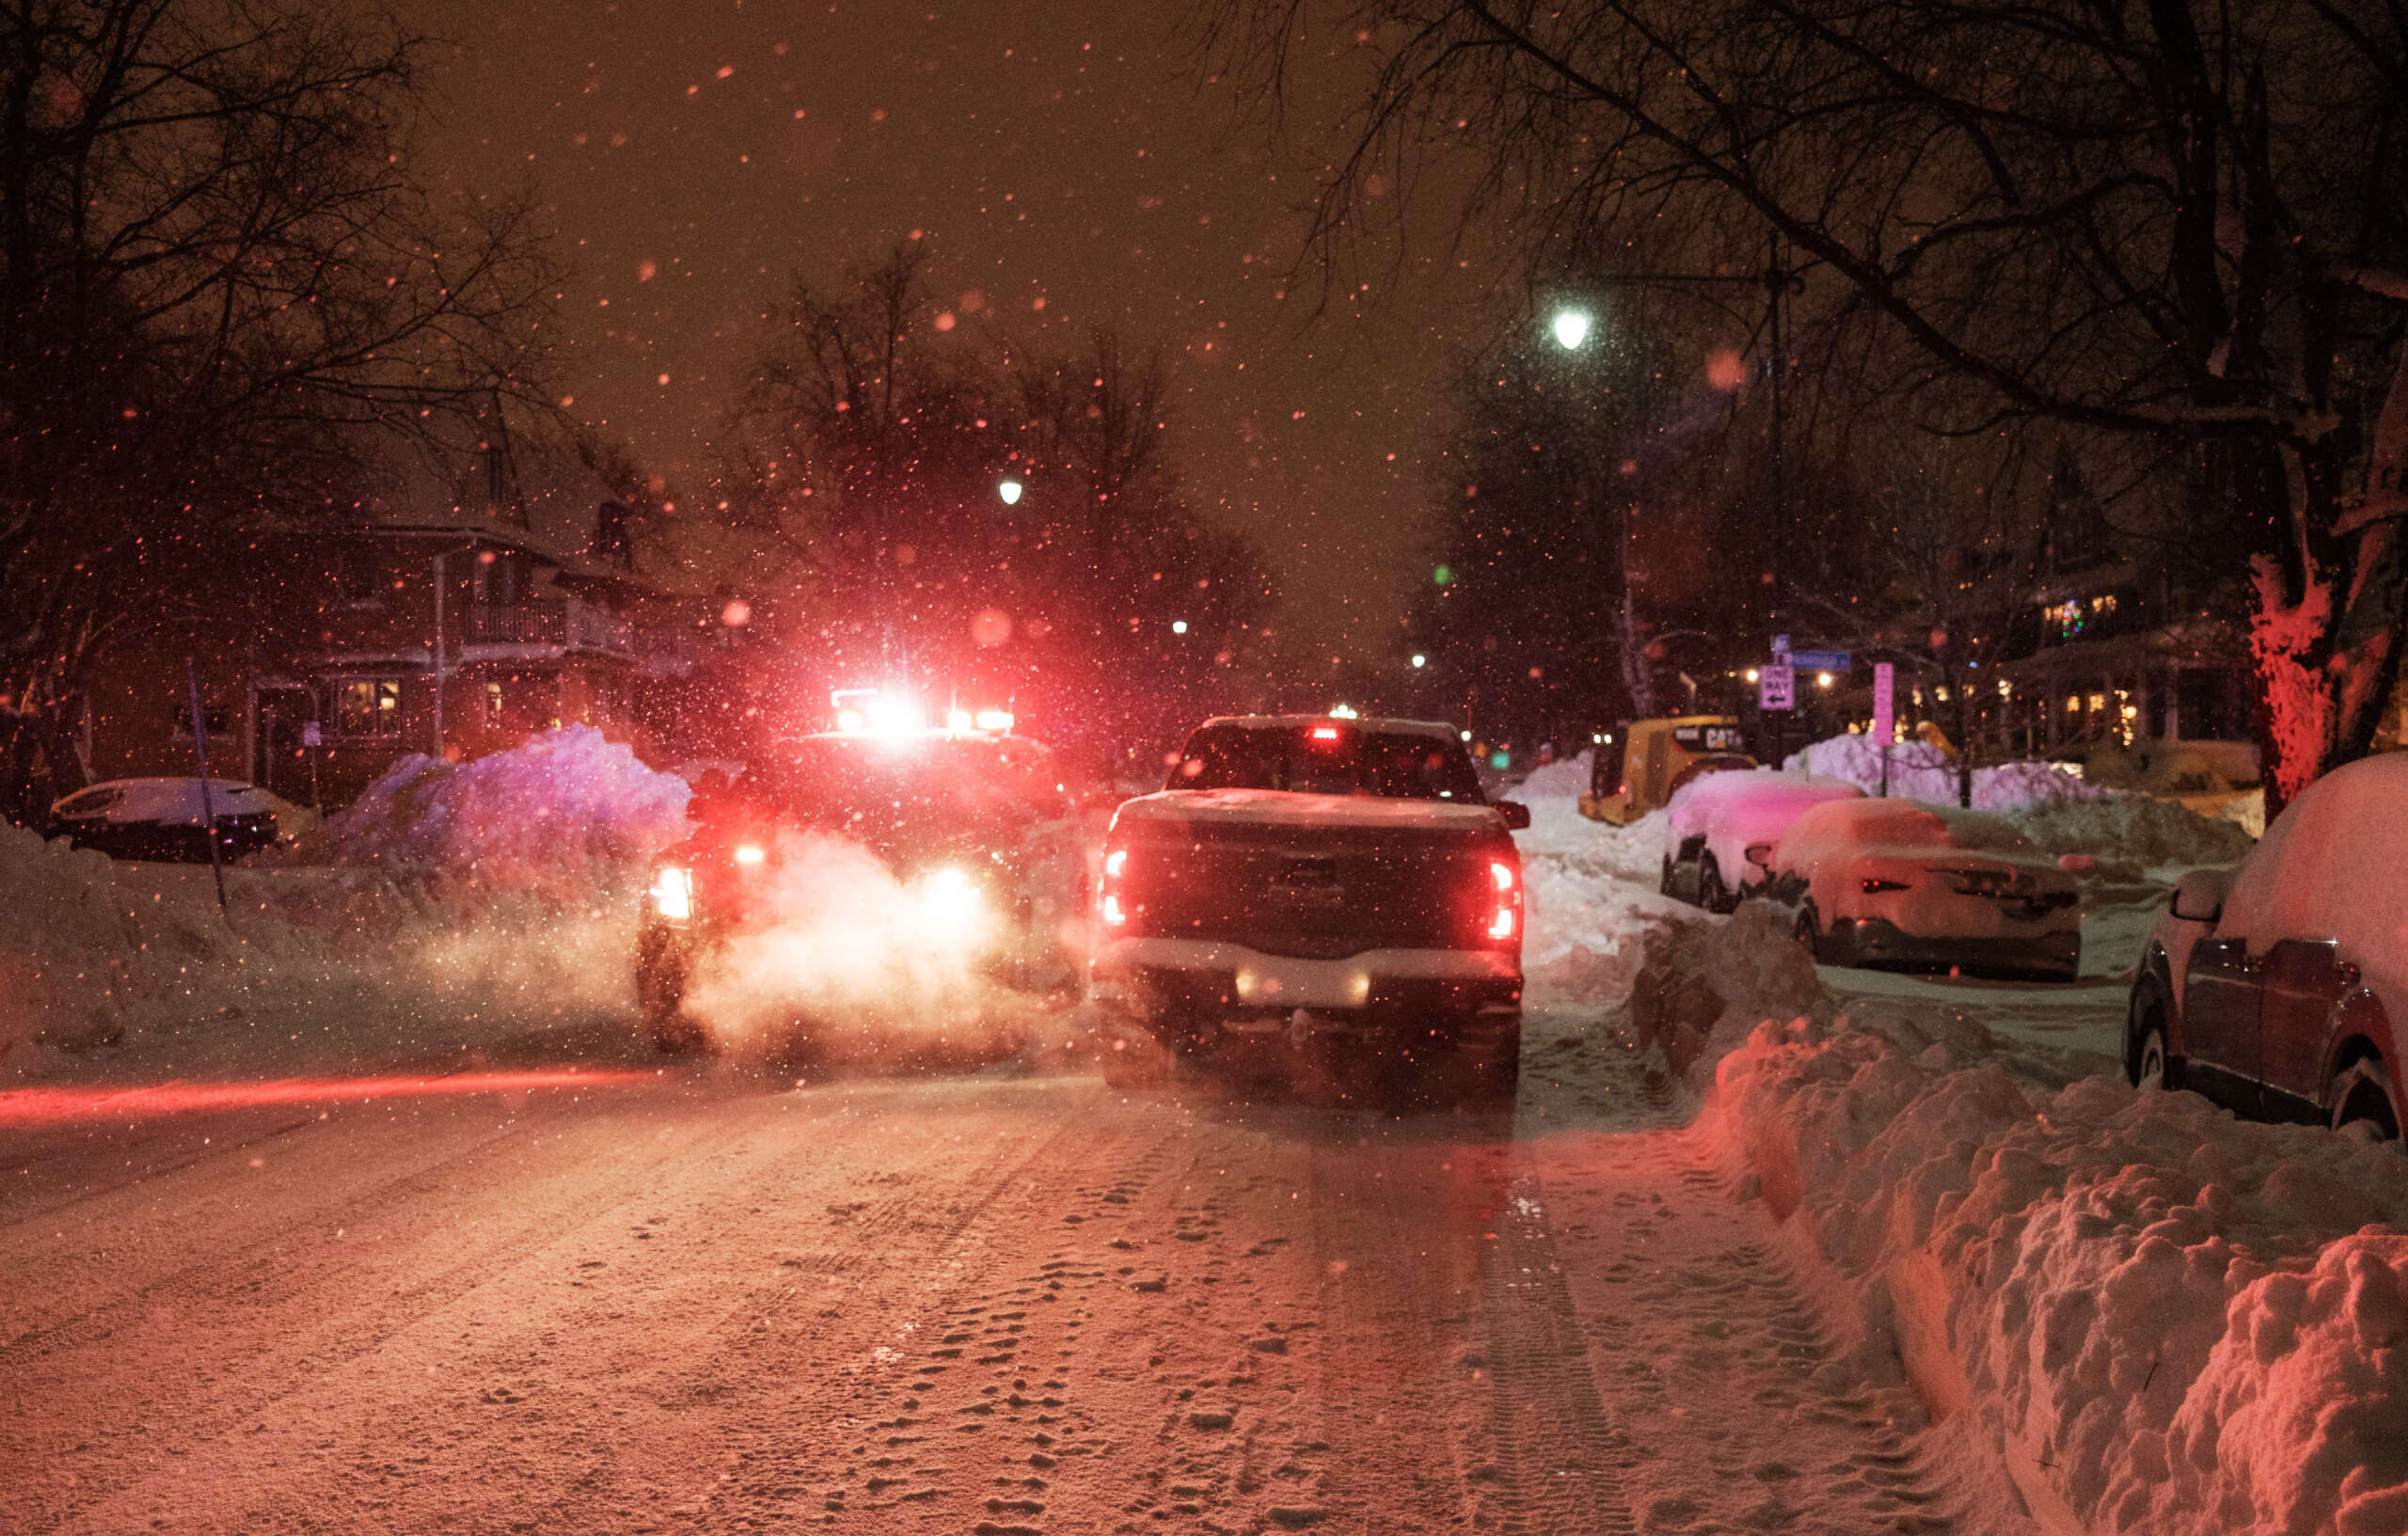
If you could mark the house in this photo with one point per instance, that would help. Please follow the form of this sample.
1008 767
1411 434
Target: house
453 635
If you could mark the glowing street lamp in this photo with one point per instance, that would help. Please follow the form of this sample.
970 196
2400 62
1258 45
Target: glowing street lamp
1179 626
1010 491
1420 661
1570 328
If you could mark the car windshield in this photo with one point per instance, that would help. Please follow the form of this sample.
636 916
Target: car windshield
1326 759
885 787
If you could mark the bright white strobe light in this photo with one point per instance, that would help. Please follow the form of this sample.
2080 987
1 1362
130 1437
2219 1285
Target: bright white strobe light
952 907
672 893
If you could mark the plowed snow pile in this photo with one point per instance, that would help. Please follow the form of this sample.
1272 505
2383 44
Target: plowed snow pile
553 815
1591 890
2161 1320
1920 771
464 898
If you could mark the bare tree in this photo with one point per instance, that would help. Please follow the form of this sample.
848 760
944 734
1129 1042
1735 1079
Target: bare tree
222 293
2167 222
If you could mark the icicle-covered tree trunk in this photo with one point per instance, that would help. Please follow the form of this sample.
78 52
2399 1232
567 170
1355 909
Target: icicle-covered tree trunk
2328 608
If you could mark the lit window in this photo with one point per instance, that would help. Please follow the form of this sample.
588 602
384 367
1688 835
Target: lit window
371 706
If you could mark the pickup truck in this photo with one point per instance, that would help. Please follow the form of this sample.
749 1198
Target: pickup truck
1313 882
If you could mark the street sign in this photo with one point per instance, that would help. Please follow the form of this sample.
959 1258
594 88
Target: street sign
311 735
1777 686
1781 646
1885 703
1820 660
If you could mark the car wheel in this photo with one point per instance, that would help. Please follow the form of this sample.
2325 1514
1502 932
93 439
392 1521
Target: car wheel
1664 884
2149 1062
1806 933
2361 1095
661 992
1133 1060
2150 1067
1712 894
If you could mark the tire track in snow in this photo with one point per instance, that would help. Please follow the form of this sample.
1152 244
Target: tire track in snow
1555 1446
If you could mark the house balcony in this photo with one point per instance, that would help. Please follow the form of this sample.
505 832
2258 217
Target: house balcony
566 623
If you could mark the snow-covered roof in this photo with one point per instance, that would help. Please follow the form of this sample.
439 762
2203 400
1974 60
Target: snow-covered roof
1397 727
1287 808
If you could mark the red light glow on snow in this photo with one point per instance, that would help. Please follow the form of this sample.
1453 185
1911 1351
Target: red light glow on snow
66 1105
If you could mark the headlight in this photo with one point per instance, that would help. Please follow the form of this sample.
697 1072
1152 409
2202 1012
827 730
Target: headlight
952 904
672 893
751 854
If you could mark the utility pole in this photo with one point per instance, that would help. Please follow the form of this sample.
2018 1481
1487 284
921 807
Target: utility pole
1572 328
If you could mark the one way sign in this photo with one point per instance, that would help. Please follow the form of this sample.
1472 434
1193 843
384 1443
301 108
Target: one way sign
1777 686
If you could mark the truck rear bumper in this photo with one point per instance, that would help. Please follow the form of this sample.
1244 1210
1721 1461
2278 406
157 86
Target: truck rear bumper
1146 976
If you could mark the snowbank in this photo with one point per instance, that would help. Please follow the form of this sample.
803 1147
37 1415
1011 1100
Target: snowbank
1566 776
465 902
1592 896
2170 1321
1921 771
2136 830
554 814
2157 1319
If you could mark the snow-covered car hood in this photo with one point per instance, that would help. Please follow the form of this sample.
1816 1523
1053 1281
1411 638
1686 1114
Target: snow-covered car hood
165 802
1281 807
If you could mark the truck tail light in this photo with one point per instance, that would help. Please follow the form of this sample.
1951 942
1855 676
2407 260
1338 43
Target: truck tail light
1505 917
1116 864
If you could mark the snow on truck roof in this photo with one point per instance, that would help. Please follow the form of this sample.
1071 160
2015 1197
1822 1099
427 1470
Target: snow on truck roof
1289 808
1274 722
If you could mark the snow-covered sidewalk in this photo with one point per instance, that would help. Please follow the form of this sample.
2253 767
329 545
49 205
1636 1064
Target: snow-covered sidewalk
2141 1314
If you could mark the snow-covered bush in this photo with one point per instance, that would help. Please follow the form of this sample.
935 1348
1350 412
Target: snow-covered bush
552 815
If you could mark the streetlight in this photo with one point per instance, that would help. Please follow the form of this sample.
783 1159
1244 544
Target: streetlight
1420 661
1179 626
1009 490
1570 328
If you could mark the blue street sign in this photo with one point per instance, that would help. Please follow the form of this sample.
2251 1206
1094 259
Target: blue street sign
1820 660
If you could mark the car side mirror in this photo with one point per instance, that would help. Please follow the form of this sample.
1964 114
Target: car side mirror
2198 896
1516 815
1760 855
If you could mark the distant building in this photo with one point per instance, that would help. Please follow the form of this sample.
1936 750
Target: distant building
451 639
2108 647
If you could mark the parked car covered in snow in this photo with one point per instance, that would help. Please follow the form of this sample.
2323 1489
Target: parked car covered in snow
1715 819
985 868
2280 988
162 819
1889 882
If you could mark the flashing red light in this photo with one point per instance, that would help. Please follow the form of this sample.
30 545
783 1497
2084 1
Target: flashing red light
64 1105
1113 916
1325 733
1502 925
1502 874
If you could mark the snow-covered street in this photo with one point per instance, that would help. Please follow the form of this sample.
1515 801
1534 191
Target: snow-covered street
1001 1303
423 1237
